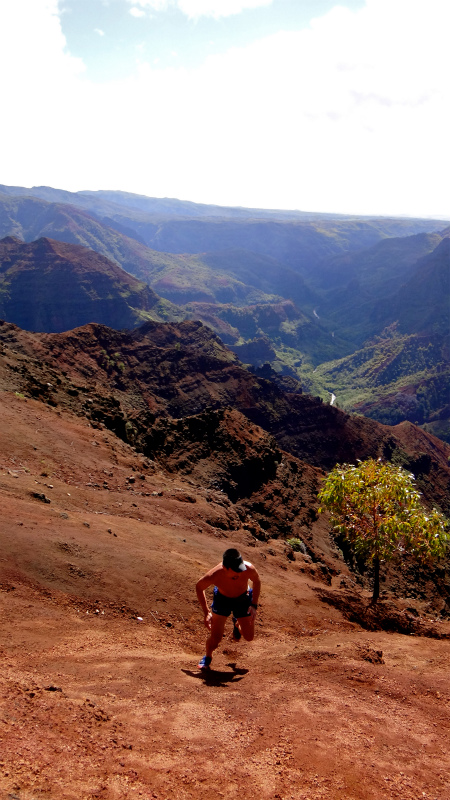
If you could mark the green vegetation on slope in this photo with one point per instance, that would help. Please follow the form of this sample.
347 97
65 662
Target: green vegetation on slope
393 378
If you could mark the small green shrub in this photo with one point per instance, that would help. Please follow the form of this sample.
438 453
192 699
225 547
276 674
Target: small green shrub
296 544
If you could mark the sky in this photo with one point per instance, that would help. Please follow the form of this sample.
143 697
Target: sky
288 104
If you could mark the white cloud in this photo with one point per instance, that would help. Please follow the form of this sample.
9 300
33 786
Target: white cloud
99 31
42 92
350 115
218 8
194 9
33 54
155 5
137 12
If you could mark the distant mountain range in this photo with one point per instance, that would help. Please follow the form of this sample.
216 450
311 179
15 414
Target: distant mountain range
107 202
299 241
357 307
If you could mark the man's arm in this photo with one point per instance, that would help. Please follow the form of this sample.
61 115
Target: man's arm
200 587
256 583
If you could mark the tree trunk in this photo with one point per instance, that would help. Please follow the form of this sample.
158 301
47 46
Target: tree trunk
376 579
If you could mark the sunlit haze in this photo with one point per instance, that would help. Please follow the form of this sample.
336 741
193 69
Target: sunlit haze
293 104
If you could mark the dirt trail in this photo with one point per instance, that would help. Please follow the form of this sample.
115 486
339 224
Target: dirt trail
96 703
98 707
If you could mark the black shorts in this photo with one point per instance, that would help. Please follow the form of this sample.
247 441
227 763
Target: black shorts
238 606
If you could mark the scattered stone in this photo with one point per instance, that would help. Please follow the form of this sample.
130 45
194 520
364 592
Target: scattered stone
63 515
40 496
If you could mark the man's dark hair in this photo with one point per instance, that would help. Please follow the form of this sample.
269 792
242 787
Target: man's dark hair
232 559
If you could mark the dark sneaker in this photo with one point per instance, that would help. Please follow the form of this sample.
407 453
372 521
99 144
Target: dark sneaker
204 662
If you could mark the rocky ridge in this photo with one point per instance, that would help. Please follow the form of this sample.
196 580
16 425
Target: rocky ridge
183 401
48 285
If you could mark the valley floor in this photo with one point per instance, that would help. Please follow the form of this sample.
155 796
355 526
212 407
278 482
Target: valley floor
98 703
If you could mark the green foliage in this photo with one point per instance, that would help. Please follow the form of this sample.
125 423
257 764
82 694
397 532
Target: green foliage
392 378
296 544
109 364
439 428
376 508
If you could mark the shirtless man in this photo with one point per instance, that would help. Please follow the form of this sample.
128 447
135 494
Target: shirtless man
231 595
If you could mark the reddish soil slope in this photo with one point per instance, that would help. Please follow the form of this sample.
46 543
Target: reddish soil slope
100 694
114 503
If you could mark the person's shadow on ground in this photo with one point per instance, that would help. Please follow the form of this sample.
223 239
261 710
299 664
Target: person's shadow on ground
213 677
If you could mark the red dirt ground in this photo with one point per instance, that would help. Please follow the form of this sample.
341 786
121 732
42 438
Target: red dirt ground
98 703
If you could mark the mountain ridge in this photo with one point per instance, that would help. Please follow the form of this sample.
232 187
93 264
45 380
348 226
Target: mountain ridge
341 302
168 370
51 285
170 206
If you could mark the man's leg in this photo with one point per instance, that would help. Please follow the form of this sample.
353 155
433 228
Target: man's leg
215 637
247 627
243 621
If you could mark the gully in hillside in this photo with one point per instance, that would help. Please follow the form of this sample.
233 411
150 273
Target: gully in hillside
232 595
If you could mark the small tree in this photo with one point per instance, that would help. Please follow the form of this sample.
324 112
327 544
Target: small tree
376 507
